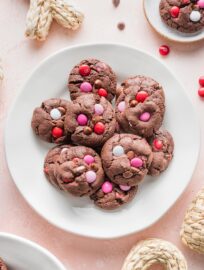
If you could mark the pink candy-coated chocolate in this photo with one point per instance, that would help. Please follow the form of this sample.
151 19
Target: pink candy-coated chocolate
82 119
136 162
89 159
90 176
107 187
98 108
144 117
86 87
125 188
121 106
200 3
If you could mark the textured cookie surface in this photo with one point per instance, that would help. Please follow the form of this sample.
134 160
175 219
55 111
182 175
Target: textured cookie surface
92 76
3 265
90 120
75 169
126 159
48 120
162 147
183 15
111 196
140 106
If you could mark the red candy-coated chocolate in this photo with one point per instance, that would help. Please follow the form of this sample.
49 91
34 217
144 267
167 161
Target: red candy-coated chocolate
84 70
57 132
174 11
102 92
141 96
164 50
201 81
99 128
201 92
65 180
158 144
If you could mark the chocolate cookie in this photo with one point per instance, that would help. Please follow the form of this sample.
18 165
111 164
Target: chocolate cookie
126 159
183 15
3 265
162 147
75 169
48 120
140 106
111 196
90 120
92 76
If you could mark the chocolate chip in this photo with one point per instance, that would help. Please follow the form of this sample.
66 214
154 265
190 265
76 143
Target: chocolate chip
130 154
121 26
116 3
96 119
87 130
94 167
133 103
62 110
98 84
79 170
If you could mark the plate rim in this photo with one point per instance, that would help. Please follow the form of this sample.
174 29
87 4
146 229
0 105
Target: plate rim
166 36
34 245
84 234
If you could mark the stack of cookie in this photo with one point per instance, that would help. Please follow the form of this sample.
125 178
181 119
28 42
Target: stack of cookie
104 152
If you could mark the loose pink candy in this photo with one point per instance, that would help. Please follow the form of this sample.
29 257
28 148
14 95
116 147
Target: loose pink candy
86 87
145 117
90 176
89 159
107 187
121 106
136 162
82 119
125 188
200 3
98 108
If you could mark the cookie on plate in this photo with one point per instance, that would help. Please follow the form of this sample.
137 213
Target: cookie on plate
92 76
126 159
48 120
75 169
111 196
90 120
162 147
140 106
3 265
185 16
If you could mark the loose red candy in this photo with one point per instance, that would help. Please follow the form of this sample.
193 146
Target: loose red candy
174 11
164 50
57 132
102 92
201 92
84 70
99 128
158 144
201 81
141 96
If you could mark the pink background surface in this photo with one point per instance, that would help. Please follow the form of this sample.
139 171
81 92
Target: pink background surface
20 56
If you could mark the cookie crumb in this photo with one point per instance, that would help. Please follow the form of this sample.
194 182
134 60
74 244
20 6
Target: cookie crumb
121 26
116 3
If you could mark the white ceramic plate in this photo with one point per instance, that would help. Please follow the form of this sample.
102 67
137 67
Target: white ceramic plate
21 254
151 9
25 152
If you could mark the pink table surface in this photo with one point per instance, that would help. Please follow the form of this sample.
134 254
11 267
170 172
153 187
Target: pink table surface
20 56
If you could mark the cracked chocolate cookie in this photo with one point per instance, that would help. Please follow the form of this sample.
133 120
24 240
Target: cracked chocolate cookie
186 16
126 159
74 169
162 147
92 76
48 120
111 196
140 106
3 265
90 120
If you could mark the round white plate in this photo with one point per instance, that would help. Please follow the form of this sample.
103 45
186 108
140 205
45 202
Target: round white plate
25 152
21 254
151 10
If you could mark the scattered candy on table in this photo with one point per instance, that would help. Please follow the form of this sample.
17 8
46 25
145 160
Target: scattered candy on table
201 92
164 50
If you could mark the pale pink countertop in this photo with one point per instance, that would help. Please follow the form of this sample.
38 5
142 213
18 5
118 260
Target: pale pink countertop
20 56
